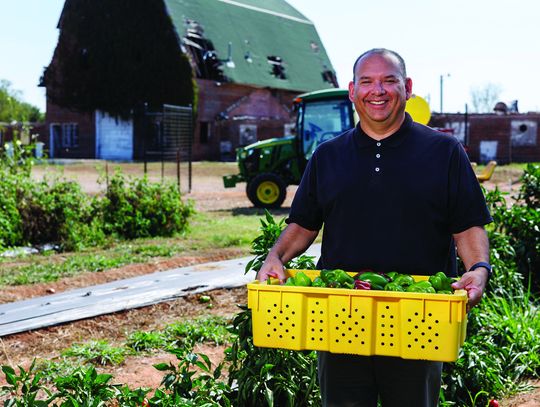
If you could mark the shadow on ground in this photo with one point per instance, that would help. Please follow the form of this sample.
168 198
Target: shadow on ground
250 210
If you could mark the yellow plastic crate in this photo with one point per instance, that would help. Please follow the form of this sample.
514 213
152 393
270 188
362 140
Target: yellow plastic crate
362 322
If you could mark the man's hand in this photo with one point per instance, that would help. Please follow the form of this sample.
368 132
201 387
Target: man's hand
272 267
474 282
473 247
293 240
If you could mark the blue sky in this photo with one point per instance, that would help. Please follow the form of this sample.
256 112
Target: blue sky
475 41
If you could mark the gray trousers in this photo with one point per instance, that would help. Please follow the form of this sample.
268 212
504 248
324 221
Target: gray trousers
358 381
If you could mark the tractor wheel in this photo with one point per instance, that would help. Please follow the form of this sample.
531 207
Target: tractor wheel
266 191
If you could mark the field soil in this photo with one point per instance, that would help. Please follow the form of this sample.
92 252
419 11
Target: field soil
208 194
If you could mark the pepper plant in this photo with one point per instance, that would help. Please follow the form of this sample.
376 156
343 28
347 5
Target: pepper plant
270 377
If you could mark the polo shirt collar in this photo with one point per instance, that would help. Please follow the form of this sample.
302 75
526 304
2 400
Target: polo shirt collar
393 140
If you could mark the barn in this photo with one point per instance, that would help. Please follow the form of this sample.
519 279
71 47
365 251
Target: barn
246 59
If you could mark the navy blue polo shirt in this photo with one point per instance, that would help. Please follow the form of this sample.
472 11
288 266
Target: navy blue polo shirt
390 205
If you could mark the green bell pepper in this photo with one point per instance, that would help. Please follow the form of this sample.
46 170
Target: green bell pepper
302 280
328 276
343 278
392 275
393 287
290 282
404 280
318 282
421 287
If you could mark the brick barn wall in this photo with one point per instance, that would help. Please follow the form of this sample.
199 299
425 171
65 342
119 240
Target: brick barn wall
268 112
500 133
87 129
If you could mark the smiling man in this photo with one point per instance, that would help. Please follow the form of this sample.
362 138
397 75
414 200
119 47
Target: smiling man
379 91
393 195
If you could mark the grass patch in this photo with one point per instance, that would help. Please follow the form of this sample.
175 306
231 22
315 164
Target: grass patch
208 231
98 352
206 329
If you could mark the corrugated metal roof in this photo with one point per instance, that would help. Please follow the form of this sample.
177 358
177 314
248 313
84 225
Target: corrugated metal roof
256 30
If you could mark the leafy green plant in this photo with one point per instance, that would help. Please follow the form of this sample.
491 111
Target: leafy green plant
99 352
145 341
85 387
269 377
502 331
206 329
261 245
59 212
135 208
184 386
11 226
261 376
23 388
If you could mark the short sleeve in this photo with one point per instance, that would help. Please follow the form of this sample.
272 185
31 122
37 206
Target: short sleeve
467 205
306 209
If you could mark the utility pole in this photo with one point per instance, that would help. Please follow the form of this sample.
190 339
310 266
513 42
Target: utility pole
441 87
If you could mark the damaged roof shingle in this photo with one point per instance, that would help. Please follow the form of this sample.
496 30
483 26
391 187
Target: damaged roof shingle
244 33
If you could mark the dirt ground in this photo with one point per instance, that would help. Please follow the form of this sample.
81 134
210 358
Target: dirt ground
208 194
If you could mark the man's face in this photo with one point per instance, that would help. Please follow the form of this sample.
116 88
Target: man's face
380 92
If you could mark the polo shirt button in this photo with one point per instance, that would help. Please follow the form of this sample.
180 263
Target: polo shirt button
378 144
377 169
378 155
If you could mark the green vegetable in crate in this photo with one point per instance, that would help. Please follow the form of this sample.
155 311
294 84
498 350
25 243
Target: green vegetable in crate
328 276
302 280
441 282
343 278
337 279
421 287
404 280
393 287
318 282
290 282
392 275
376 280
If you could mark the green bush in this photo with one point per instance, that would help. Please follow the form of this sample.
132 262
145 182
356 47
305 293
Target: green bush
134 208
520 222
11 225
58 212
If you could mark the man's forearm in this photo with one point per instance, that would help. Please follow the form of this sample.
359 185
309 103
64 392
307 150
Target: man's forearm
293 241
472 245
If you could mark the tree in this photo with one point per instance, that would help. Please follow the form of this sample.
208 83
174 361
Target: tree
12 108
484 97
116 55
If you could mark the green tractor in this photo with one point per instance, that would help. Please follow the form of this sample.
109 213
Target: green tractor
269 166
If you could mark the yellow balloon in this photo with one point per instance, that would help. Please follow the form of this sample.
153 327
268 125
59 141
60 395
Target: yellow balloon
419 109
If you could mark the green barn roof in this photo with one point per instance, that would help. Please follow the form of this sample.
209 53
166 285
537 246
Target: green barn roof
251 37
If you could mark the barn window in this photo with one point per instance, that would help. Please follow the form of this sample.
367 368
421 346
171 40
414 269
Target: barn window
278 69
66 135
204 132
330 77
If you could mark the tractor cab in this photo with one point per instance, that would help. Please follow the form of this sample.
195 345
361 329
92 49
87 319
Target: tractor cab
321 116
